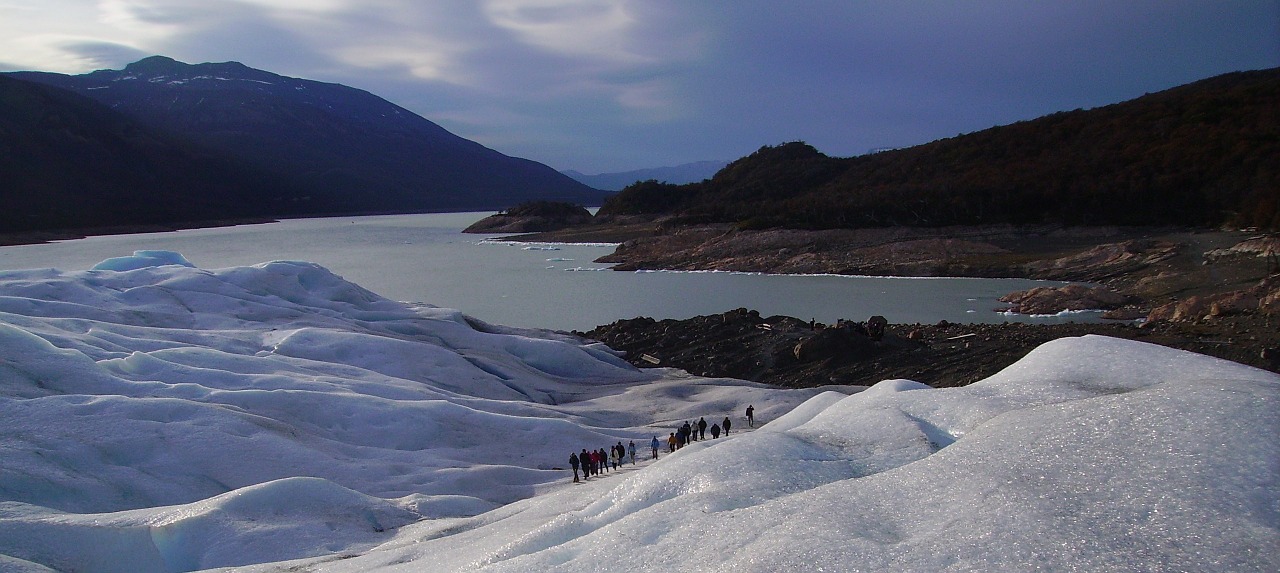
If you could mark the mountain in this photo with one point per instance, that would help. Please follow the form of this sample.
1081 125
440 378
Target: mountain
67 161
352 151
679 174
1203 154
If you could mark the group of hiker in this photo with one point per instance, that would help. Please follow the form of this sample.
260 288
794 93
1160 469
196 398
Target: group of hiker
692 432
598 461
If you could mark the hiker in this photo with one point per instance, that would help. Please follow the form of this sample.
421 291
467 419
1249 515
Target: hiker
671 443
585 459
702 428
573 462
613 457
751 416
631 450
604 459
654 445
725 425
715 431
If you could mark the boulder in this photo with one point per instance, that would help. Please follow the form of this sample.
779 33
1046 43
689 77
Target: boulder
1236 302
830 342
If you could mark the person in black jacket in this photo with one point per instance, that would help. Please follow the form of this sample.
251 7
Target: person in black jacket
573 462
702 428
725 425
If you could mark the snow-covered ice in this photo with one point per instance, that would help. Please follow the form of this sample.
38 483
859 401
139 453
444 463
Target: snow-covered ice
155 416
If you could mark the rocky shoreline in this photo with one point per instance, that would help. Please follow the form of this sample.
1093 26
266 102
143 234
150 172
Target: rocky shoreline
1131 272
789 352
1213 292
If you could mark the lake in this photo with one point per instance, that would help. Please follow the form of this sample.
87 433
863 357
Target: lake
426 258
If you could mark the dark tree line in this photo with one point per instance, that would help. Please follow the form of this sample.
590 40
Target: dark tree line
1203 154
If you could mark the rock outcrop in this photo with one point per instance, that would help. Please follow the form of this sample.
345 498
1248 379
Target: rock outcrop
1104 261
1262 298
1074 297
1262 246
535 217
790 352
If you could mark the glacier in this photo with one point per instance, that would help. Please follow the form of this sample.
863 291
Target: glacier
160 417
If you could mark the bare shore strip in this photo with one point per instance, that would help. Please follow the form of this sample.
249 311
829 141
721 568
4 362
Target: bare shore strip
1215 292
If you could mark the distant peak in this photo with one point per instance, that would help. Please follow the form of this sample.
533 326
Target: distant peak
227 67
154 64
164 65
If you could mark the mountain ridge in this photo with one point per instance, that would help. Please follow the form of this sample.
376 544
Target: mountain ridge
675 174
69 162
347 150
1194 155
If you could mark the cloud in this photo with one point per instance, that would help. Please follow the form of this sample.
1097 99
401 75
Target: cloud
101 54
604 85
590 29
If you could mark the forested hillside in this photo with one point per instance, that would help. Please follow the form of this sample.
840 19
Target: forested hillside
1203 154
67 161
167 143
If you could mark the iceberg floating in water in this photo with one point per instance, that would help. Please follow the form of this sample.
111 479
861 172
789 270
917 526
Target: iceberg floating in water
142 260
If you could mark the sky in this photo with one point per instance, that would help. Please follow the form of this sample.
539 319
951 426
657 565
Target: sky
615 85
158 417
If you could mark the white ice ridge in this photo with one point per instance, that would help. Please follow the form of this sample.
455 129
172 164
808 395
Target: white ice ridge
164 417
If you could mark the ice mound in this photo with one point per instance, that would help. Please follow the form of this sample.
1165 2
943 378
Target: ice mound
1091 454
142 260
155 416
242 527
276 417
155 383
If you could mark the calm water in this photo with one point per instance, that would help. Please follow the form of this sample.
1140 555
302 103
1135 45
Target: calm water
425 258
